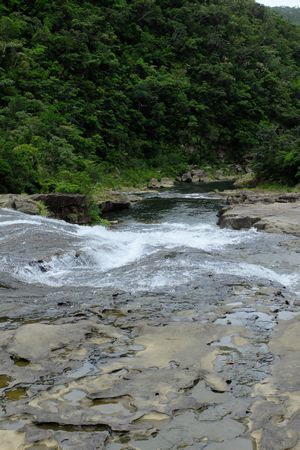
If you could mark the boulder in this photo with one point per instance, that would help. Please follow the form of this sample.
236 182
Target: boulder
72 208
201 176
198 175
166 182
22 203
163 183
187 177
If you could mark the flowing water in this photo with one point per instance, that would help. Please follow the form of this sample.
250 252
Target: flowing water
167 240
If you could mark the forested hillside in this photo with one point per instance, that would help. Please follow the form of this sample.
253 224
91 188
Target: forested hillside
93 89
291 14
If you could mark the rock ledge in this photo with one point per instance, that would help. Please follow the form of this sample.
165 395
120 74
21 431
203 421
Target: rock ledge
281 215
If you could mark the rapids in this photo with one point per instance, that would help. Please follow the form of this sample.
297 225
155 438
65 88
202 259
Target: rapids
169 239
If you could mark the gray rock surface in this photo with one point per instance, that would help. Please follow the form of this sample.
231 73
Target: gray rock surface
274 213
201 176
161 184
251 197
22 203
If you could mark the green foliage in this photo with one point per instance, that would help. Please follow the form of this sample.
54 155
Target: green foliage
278 155
291 14
43 210
96 218
114 92
25 168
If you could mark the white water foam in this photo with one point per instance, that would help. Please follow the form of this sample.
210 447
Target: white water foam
189 196
101 250
104 257
111 249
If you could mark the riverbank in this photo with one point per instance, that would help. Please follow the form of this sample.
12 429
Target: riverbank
268 210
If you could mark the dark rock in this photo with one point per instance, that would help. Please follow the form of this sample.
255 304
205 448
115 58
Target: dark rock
114 205
236 222
69 207
187 177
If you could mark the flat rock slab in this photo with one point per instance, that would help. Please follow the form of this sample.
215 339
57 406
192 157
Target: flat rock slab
273 218
275 414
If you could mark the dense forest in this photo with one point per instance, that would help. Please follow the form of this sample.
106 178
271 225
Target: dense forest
97 89
291 14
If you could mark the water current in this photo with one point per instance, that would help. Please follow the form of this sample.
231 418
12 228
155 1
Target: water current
168 240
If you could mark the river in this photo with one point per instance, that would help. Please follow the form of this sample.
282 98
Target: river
154 334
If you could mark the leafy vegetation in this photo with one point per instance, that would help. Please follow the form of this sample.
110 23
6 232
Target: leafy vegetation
113 92
289 13
43 210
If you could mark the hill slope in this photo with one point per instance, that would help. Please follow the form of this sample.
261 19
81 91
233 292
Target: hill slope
291 14
90 88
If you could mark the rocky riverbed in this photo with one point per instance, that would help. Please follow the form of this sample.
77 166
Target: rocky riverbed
164 333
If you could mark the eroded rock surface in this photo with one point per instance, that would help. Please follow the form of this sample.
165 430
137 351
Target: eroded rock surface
107 373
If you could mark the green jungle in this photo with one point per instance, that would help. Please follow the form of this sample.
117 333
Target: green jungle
113 92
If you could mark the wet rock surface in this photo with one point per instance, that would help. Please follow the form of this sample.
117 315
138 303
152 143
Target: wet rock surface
150 371
211 363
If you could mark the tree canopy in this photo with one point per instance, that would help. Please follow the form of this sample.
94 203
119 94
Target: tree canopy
89 87
290 13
